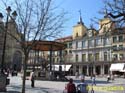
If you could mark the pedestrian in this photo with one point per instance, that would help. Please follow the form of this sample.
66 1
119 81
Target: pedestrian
71 88
82 76
32 78
93 79
108 78
82 87
76 75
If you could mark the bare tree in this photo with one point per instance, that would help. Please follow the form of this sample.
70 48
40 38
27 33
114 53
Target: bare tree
37 20
116 10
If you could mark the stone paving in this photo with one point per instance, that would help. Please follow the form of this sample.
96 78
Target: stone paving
58 87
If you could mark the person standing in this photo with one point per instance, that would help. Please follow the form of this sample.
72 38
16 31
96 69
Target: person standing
32 78
71 86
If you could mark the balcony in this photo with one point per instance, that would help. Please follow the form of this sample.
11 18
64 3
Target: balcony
118 49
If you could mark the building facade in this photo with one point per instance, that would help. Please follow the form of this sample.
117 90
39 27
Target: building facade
93 51
13 53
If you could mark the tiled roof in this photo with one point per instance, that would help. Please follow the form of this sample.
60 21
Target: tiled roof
68 38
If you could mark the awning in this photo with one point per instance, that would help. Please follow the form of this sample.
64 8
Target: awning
122 70
64 67
117 67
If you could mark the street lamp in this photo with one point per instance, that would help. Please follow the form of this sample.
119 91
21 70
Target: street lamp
14 14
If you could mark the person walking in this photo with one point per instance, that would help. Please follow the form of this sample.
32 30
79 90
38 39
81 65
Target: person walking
71 88
93 79
108 78
32 78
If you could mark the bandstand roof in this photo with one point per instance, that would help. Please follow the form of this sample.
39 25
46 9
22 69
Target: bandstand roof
48 45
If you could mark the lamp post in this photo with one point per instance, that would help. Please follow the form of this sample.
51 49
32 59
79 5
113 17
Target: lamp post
13 17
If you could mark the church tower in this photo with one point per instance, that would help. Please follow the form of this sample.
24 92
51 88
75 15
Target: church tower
79 30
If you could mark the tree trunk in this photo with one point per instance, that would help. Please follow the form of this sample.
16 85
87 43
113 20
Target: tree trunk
24 73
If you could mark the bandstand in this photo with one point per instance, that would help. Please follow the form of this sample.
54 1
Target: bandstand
48 47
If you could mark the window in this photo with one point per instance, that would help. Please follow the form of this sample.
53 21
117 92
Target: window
120 56
98 41
77 58
83 44
70 52
115 47
57 59
114 39
91 43
90 57
105 56
120 38
120 47
66 52
76 44
70 45
97 57
115 57
66 45
83 57
53 60
106 41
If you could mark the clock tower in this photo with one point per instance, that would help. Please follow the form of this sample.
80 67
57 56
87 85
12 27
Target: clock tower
79 30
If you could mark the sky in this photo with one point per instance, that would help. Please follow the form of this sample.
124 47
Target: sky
89 10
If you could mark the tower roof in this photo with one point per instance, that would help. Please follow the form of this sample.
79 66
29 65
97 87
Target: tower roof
80 18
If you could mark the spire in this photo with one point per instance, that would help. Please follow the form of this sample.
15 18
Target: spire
80 18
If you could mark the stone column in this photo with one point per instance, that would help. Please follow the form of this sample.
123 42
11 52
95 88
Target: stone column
102 69
87 70
74 69
80 69
94 72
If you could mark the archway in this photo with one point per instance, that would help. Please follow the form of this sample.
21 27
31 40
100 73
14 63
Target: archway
17 61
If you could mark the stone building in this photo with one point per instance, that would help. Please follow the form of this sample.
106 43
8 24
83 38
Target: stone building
13 53
94 51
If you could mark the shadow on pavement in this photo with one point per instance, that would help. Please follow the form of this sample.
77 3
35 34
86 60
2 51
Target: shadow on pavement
28 89
13 92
